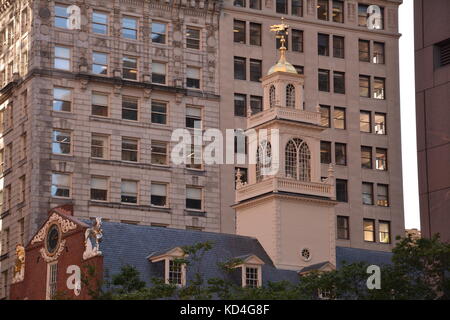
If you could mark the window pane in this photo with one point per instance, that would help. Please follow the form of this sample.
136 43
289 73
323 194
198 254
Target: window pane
380 123
364 86
339 82
365 121
341 190
381 159
378 52
240 105
338 11
297 40
297 8
383 195
366 157
324 80
367 193
379 88
339 118
281 6
239 68
255 34
325 152
338 47
255 70
323 44
364 50
193 38
256 104
384 229
341 154
325 116
369 230
239 31
342 228
322 9
158 32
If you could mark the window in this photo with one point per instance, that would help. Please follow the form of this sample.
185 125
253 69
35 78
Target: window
22 188
193 77
385 231
341 190
442 53
297 8
192 38
239 68
380 123
297 40
323 44
5 284
129 108
251 277
62 16
244 175
325 116
239 3
255 4
379 88
256 104
369 230
255 70
62 58
23 142
99 104
338 11
100 63
282 6
159 152
378 52
193 117
159 31
61 142
60 185
99 23
298 160
362 15
22 230
364 86
52 280
159 72
343 228
240 105
366 157
62 99
195 157
194 197
381 159
272 98
324 80
365 122
255 34
325 152
383 195
364 50
129 68
338 47
158 194
339 82
129 191
341 153
99 146
367 193
129 28
99 188
239 31
322 10
339 118
290 96
175 272
159 112
130 149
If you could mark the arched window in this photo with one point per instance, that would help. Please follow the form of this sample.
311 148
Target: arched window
272 96
298 160
290 96
263 159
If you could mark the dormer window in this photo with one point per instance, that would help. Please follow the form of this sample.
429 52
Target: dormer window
251 267
252 277
174 275
174 270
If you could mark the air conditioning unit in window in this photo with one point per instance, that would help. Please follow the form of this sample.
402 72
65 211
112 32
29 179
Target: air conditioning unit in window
379 129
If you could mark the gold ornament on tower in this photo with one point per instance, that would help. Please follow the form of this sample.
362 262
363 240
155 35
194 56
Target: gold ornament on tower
281 31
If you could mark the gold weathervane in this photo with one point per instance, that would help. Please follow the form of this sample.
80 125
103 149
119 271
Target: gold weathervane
281 31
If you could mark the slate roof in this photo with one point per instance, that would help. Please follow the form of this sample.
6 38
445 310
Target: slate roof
352 255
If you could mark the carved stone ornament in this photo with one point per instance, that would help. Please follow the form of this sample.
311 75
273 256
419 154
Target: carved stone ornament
19 267
65 225
50 258
92 239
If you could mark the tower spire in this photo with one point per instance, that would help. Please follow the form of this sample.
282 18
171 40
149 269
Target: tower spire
281 31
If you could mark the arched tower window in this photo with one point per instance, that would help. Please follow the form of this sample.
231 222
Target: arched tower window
272 96
263 159
290 96
298 160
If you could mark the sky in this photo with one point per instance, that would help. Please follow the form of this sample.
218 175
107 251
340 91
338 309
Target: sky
408 115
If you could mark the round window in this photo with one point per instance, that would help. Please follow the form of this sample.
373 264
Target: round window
306 254
52 241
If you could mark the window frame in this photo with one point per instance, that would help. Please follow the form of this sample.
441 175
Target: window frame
129 194
190 40
94 23
70 101
158 34
366 229
57 58
106 199
134 31
159 144
162 75
166 197
345 228
164 115
131 151
62 132
365 194
105 148
202 197
58 186
105 66
128 70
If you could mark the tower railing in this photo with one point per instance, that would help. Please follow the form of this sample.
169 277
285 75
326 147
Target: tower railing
283 113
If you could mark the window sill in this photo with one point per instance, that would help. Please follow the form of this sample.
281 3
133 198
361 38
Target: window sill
121 205
195 213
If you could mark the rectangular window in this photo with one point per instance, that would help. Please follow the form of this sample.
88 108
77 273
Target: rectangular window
130 149
129 191
323 44
192 38
442 53
256 104
379 88
129 68
367 193
62 16
239 31
99 146
194 196
5 284
99 188
23 143
52 280
365 122
362 15
99 104
282 6
341 190
129 28
325 116
380 123
297 40
378 52
325 152
324 80
339 118
364 50
251 277
100 63
255 70
383 195
341 154
159 71
193 77
159 32
23 189
381 159
239 3
338 11
60 185
193 117
159 112
61 142
385 231
297 8
99 23
339 82
239 68
366 157
158 194
22 230
369 230
194 160
159 152
338 47
175 273
343 228
62 99
130 108
322 10
240 105
255 4
364 86
62 58
255 34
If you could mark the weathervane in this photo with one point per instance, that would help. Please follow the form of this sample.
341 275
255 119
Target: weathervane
281 32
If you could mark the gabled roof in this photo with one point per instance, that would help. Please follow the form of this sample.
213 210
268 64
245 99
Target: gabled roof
322 266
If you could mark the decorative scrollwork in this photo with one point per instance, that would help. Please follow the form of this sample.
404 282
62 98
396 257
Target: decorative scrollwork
47 258
65 225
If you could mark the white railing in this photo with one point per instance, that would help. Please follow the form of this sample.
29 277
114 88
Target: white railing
311 117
